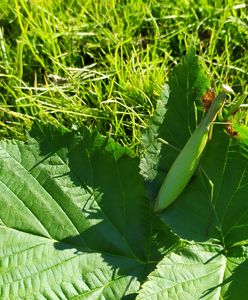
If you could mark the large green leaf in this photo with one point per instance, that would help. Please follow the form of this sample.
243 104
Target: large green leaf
74 219
199 272
212 206
211 212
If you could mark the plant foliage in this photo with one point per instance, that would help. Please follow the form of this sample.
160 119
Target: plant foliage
76 221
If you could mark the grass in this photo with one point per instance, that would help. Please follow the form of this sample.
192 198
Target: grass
103 63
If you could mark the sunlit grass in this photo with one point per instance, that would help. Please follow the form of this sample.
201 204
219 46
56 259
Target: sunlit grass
104 63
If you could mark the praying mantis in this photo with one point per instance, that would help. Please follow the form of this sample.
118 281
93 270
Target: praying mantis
187 161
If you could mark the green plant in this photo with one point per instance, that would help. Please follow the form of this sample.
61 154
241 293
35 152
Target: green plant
76 221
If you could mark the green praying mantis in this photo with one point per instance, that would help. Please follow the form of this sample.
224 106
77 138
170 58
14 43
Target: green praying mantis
186 162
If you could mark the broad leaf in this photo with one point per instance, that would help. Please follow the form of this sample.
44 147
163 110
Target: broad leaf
199 272
74 219
212 209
